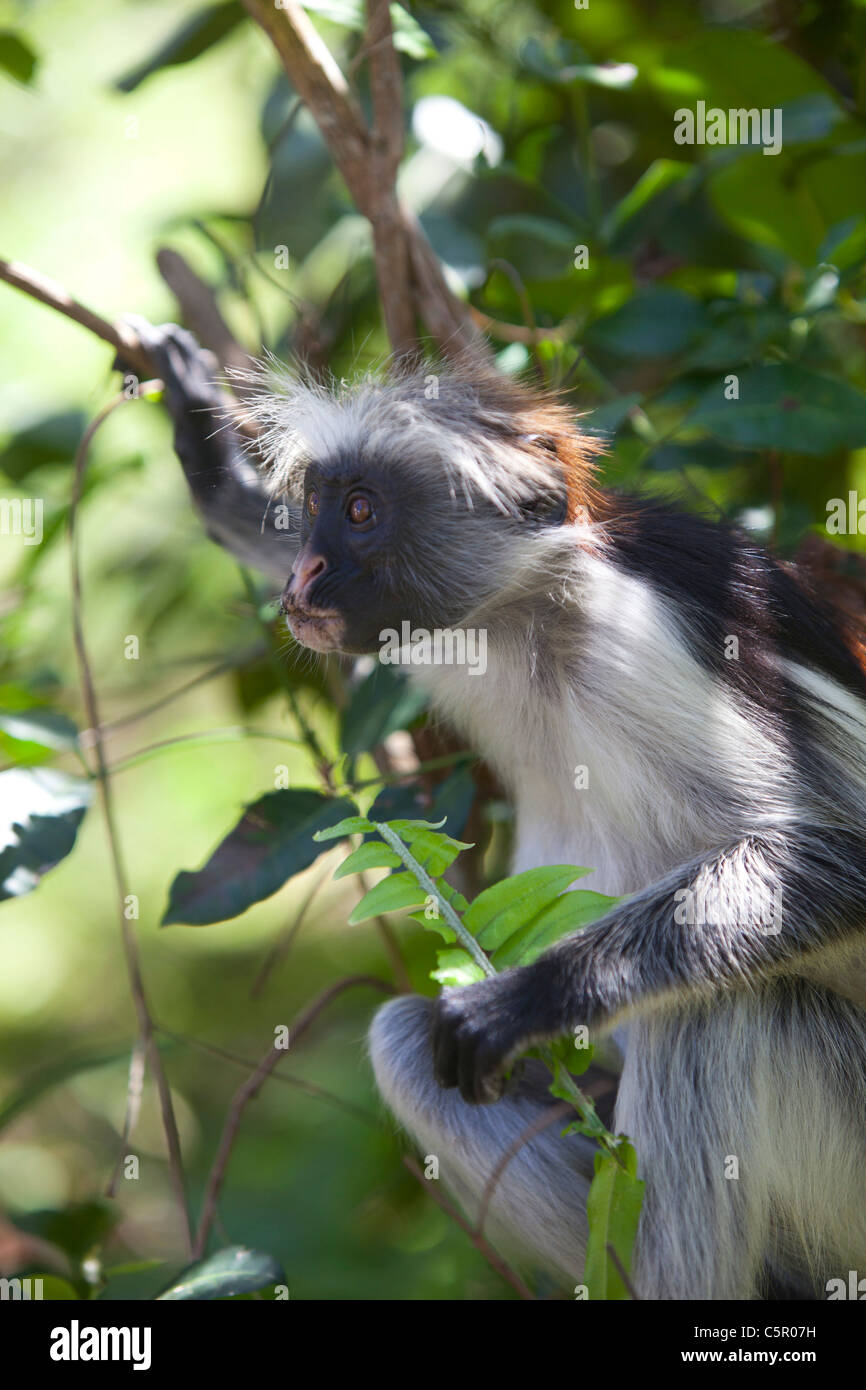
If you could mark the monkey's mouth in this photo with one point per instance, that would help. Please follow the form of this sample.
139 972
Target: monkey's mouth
319 629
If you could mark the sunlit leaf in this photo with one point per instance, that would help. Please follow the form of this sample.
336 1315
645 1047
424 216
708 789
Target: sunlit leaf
40 812
235 1270
613 1211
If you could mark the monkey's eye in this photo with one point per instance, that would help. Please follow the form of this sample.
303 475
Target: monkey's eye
312 504
360 509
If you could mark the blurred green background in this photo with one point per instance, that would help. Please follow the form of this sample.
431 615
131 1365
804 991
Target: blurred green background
533 129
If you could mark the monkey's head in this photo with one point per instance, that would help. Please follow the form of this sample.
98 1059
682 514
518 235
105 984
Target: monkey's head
421 498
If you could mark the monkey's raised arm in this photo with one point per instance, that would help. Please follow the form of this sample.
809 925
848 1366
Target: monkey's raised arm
727 921
224 484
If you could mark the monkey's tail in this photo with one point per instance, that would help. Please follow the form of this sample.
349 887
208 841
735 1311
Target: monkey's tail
536 1201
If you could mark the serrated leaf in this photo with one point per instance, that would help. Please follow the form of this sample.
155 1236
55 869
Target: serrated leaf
613 1211
391 895
351 825
456 968
373 854
507 906
568 913
433 923
273 840
435 851
40 812
236 1270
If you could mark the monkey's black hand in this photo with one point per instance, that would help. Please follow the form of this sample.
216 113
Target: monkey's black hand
479 1029
218 463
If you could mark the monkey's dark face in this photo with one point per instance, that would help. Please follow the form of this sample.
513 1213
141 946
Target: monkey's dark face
353 576
380 546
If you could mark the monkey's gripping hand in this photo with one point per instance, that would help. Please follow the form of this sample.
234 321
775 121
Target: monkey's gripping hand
771 903
478 1030
224 483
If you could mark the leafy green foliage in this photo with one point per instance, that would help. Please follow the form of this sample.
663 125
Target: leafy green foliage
235 1270
382 703
40 812
702 261
271 842
613 1209
17 58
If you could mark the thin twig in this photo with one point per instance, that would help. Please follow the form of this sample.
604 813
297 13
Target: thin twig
250 1089
298 1083
128 936
202 313
481 1245
386 146
556 1112
38 286
134 1090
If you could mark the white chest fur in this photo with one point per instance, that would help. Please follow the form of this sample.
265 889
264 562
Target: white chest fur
629 762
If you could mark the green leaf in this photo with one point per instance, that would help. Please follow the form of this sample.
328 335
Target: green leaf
567 913
352 825
540 247
409 37
74 1229
653 323
69 1064
43 726
53 439
433 850
613 1211
235 1270
194 36
394 893
456 967
40 812
507 906
17 58
372 854
273 841
785 407
657 179
382 703
54 1289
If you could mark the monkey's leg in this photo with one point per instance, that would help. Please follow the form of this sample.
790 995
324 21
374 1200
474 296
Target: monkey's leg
538 1205
687 1100
225 487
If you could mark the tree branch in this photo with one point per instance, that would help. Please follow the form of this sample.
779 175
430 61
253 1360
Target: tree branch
119 335
318 80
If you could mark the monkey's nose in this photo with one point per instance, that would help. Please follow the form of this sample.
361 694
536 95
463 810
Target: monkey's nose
305 572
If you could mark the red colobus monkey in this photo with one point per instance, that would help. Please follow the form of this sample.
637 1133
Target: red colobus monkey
720 711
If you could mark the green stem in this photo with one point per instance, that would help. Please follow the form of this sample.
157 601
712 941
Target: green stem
464 936
582 1104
